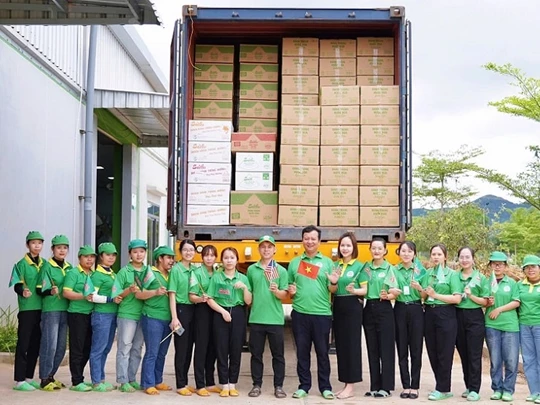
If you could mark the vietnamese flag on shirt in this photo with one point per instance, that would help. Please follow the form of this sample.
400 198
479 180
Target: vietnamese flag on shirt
308 270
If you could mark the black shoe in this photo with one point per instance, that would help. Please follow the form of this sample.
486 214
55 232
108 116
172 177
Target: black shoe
405 395
279 393
255 391
413 395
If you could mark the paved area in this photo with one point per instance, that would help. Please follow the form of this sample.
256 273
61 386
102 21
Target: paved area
9 397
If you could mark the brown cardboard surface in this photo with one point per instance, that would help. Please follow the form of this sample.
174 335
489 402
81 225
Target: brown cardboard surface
258 72
329 81
299 155
300 135
300 85
374 80
337 67
338 195
258 109
340 155
340 95
258 125
301 115
380 114
259 91
377 95
295 215
300 47
379 217
378 195
337 48
299 99
379 175
375 65
298 195
254 208
299 66
213 109
340 135
214 53
298 174
340 115
207 72
338 216
379 155
213 90
253 142
339 175
380 135
371 46
259 53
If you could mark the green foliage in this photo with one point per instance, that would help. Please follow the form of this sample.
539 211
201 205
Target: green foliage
521 234
8 329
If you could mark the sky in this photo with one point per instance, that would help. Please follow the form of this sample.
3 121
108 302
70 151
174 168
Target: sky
452 39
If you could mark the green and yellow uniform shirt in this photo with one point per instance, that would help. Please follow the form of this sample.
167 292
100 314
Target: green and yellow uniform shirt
74 281
377 279
28 274
179 283
103 282
479 285
448 284
56 275
529 296
266 308
222 291
157 307
350 272
130 307
507 321
312 296
404 277
200 278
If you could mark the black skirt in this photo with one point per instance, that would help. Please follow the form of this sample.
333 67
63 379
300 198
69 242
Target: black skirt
347 324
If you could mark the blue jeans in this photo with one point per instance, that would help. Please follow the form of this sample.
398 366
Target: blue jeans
503 354
530 350
53 342
154 330
103 330
128 356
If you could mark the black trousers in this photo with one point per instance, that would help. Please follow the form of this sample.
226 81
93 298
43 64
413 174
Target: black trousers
28 340
229 338
257 339
183 345
379 329
205 353
347 327
308 330
80 342
471 331
440 331
409 319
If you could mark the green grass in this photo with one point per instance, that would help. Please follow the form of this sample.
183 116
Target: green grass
8 329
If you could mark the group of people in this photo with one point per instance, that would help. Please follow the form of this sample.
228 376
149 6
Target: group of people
203 310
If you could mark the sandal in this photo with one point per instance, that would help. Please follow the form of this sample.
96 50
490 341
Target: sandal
59 384
101 387
224 393
152 391
163 387
126 387
135 385
405 395
203 392
370 393
24 387
382 394
255 392
327 394
438 396
298 394
81 387
279 393
214 389
413 395
234 392
184 392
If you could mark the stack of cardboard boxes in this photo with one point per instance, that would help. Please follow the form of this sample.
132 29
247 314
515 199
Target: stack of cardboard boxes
375 63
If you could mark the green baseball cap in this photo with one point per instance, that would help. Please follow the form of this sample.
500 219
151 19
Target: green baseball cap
498 257
107 247
162 251
60 240
530 260
267 238
86 250
137 243
34 235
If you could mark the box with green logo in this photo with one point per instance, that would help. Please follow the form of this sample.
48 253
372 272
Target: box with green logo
212 109
254 208
258 126
258 109
255 72
213 91
338 216
205 72
254 181
258 91
214 53
254 162
259 53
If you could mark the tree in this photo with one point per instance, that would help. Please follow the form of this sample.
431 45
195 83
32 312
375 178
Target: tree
521 234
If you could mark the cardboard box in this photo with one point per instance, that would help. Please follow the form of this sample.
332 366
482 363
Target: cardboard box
259 91
207 215
300 85
330 81
259 53
378 195
210 152
208 194
379 155
380 115
340 135
339 175
209 173
298 195
338 216
254 162
300 135
301 175
254 181
379 175
340 115
377 95
213 131
214 53
206 72
258 126
340 95
379 217
375 65
301 115
254 72
299 155
374 80
338 195
337 48
370 46
300 47
213 90
334 67
380 135
252 142
299 66
258 109
340 155
299 99
213 109
260 208
294 215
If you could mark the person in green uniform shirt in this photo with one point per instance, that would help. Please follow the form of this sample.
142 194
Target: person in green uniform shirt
78 291
205 353
311 279
529 324
269 284
502 329
155 320
471 328
228 294
182 310
103 316
53 314
441 291
129 336
347 314
26 281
